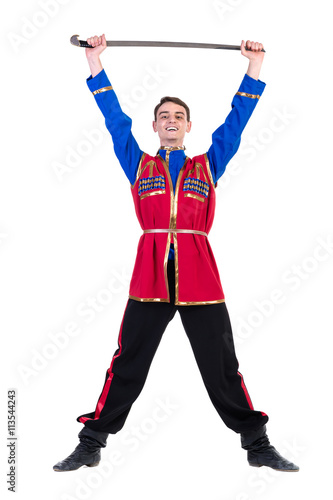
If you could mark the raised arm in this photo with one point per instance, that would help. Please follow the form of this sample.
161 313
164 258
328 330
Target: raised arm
117 122
226 138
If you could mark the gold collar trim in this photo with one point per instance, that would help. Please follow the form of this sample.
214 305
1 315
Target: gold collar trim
171 148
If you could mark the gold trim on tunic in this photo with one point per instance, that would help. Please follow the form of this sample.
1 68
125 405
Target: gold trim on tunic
208 170
191 231
175 241
166 169
148 300
139 169
203 303
160 191
165 265
244 94
180 175
103 89
191 195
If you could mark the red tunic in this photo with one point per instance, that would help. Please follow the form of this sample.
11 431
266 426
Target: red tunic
190 208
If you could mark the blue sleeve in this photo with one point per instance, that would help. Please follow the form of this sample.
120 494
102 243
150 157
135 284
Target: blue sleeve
118 124
226 138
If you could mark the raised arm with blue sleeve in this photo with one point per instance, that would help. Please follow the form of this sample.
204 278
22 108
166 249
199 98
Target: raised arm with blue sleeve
118 124
226 138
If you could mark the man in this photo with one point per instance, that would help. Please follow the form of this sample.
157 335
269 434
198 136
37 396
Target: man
175 270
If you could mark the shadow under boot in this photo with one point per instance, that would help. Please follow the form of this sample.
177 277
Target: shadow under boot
87 452
260 452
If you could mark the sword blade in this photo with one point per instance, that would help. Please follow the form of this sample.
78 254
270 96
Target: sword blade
129 43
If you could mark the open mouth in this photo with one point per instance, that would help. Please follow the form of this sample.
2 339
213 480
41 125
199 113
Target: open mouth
171 129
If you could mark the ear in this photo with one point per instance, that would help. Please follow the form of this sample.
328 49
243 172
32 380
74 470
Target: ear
188 126
154 126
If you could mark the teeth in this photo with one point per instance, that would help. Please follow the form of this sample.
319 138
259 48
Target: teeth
172 128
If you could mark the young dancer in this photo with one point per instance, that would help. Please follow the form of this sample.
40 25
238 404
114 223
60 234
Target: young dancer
175 270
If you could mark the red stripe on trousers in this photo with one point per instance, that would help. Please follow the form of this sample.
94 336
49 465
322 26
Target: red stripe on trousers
245 391
106 388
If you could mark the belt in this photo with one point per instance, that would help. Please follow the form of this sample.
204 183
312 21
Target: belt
192 231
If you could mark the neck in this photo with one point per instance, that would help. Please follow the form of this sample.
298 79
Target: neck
172 143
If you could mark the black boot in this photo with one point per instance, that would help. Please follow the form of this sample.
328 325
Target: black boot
260 452
86 453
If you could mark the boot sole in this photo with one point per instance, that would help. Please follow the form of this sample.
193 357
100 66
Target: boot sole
281 470
83 465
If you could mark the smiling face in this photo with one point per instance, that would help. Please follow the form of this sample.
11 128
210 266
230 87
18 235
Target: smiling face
171 124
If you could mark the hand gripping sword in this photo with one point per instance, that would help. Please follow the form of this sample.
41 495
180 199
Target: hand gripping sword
125 43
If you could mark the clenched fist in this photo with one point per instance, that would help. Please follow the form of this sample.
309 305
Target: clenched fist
254 50
98 43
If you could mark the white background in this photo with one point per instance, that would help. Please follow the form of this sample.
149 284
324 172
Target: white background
64 238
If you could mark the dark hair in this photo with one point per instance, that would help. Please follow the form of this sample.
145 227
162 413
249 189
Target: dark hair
176 100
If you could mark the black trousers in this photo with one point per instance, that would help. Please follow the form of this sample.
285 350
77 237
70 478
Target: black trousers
209 331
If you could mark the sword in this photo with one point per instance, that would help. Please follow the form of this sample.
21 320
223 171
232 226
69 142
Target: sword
129 43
